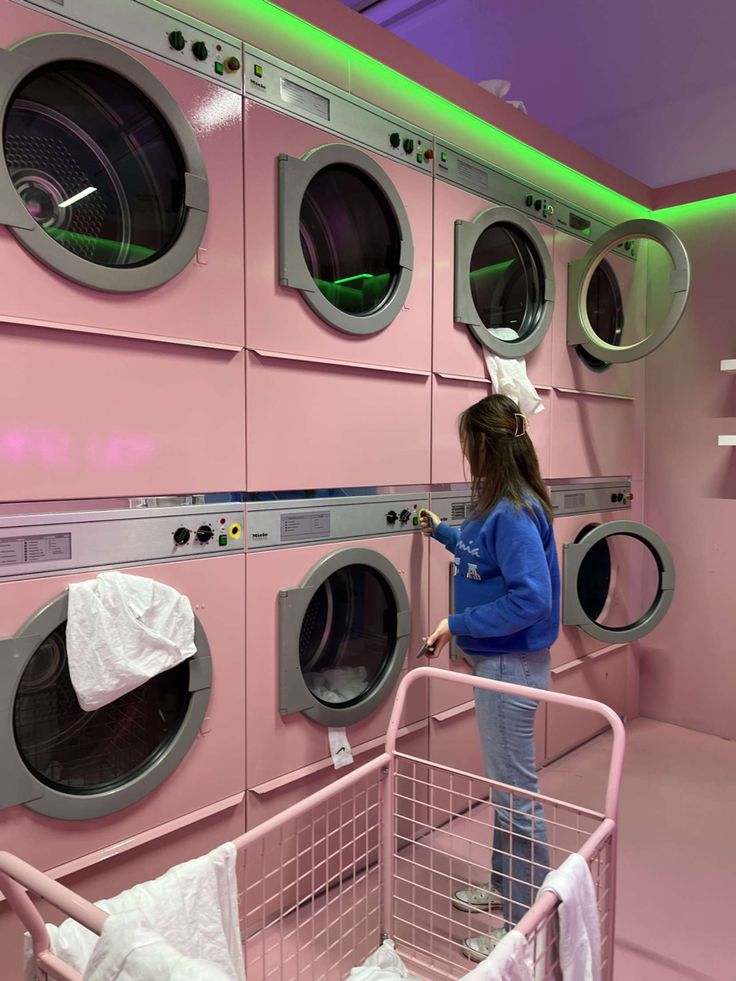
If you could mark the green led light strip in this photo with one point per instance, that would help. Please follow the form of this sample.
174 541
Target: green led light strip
702 207
350 279
62 235
496 267
325 48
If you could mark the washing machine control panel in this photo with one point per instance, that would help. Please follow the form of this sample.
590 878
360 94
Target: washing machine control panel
583 497
39 544
302 521
296 93
159 31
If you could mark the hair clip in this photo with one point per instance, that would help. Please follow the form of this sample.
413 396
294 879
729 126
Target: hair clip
520 424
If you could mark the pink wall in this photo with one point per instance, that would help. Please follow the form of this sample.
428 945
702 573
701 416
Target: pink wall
688 667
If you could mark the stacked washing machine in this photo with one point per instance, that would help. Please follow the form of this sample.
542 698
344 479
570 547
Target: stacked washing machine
122 348
338 254
586 302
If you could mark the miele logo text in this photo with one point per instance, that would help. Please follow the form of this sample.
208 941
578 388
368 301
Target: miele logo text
258 85
260 534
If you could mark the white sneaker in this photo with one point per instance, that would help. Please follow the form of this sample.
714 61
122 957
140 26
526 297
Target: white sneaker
478 948
477 899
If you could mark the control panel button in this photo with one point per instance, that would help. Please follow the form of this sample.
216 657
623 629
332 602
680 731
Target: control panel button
395 140
549 210
182 536
232 64
429 154
222 540
199 50
443 157
258 71
538 204
219 68
392 517
614 498
529 200
404 516
408 145
204 534
235 530
177 40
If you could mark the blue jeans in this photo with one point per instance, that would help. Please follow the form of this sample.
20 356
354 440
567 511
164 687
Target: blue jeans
506 724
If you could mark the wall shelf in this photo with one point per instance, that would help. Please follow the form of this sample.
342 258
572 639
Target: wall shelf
727 440
729 365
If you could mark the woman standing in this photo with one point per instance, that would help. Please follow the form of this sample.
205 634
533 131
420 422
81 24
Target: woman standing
507 592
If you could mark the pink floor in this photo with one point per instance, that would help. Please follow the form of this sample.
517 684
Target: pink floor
677 849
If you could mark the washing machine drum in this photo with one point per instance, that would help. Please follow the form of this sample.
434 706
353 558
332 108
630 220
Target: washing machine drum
504 281
345 238
74 764
102 161
344 636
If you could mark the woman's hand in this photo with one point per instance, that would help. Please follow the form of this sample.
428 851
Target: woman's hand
428 521
439 638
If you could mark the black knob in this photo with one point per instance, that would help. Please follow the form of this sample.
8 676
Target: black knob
538 204
177 41
408 145
404 516
199 50
529 200
182 536
392 517
619 497
204 534
395 140
614 498
232 64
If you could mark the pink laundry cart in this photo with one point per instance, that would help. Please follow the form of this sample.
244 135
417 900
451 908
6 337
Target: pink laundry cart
379 853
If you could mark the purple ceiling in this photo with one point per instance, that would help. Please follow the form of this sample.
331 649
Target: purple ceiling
649 86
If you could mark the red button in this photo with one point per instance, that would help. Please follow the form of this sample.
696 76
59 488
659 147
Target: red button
429 154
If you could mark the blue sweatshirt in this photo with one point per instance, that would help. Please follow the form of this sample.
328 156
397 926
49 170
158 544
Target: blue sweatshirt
507 580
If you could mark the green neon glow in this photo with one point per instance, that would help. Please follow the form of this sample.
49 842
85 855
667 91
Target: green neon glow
107 247
496 267
268 20
700 208
350 279
356 294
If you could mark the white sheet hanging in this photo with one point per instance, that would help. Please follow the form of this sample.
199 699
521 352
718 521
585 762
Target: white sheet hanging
121 631
508 376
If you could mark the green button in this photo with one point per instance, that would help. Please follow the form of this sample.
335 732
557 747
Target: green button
219 68
420 158
415 520
443 157
223 539
258 71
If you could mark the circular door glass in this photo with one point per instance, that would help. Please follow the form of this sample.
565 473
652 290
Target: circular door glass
348 635
619 581
605 312
351 239
507 280
78 752
95 164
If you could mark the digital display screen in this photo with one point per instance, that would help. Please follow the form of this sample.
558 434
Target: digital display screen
579 224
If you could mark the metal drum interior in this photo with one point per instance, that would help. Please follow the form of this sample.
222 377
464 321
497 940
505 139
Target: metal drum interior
348 636
95 164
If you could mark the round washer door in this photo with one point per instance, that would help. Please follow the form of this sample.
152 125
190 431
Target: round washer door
101 175
504 281
660 273
619 579
344 634
67 763
344 238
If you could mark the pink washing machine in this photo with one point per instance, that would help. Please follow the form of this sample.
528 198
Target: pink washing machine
121 171
79 787
617 584
453 730
336 608
493 269
84 416
338 233
627 288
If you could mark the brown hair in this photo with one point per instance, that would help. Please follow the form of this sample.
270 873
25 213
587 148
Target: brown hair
502 458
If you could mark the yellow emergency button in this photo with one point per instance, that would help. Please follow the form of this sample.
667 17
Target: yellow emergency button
235 531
